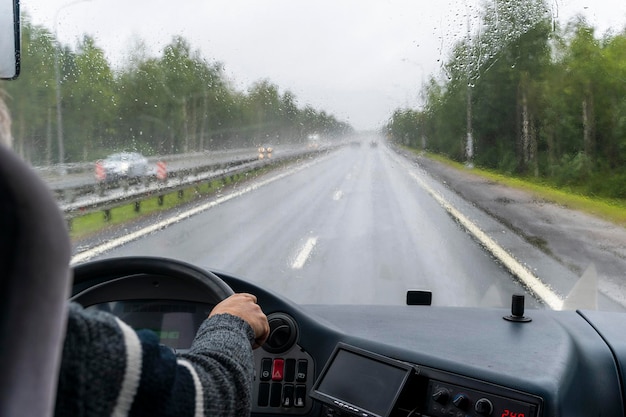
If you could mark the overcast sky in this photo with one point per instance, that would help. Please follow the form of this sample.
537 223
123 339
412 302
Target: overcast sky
356 59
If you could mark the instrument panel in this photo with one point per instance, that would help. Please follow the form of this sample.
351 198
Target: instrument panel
359 383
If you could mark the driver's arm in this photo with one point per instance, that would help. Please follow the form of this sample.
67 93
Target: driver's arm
109 369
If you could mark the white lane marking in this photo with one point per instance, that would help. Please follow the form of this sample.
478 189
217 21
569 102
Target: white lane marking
520 271
304 253
122 240
338 194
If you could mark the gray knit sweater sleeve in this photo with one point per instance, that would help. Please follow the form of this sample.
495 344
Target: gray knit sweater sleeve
108 369
224 362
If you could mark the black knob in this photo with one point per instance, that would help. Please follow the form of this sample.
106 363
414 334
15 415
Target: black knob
517 309
441 396
484 407
461 401
517 305
283 333
279 336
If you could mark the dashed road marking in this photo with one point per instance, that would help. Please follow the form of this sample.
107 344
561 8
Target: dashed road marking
304 253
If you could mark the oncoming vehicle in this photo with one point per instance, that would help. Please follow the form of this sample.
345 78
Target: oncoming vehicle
122 165
416 279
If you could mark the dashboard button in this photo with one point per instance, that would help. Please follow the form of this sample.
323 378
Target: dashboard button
266 369
302 370
461 401
290 370
288 396
484 407
264 394
300 400
278 370
276 394
442 396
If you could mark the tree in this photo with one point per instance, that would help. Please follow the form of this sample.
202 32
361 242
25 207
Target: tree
538 99
89 102
30 98
171 103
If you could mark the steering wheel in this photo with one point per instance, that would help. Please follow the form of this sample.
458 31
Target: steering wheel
144 277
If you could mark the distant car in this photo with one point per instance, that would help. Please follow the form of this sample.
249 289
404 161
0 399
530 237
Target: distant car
373 144
122 165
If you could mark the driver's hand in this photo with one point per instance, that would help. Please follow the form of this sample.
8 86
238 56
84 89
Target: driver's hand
244 305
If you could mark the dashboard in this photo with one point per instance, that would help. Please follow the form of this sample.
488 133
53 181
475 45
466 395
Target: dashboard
384 361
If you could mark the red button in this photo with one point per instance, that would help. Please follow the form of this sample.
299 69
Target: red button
278 370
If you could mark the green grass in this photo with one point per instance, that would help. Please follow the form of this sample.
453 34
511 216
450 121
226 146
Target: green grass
89 224
613 210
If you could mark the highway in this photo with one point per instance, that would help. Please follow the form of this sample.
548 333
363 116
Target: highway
353 226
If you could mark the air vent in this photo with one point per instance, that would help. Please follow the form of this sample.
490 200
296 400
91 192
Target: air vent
283 333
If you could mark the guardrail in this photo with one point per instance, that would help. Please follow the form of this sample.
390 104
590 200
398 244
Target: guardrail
104 196
70 194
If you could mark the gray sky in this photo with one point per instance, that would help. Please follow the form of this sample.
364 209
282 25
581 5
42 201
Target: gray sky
356 59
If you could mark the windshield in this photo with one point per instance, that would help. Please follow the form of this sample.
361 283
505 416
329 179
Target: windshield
339 151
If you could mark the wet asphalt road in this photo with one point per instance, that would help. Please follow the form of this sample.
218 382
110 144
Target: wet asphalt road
349 227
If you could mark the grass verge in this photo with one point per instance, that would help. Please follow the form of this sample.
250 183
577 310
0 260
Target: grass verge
613 210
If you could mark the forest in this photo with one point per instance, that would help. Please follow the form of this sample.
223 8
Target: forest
177 102
529 97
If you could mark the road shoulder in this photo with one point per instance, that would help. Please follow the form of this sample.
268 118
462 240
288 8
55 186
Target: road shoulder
574 239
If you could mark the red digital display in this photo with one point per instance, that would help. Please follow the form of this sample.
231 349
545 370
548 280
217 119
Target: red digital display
509 413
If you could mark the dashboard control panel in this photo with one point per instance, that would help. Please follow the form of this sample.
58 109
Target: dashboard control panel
445 399
359 383
282 382
284 372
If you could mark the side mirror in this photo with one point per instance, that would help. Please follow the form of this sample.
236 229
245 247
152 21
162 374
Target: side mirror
9 39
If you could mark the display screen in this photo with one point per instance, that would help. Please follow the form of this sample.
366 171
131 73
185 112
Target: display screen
174 322
361 380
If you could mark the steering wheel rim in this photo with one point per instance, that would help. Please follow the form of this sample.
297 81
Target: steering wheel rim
95 274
